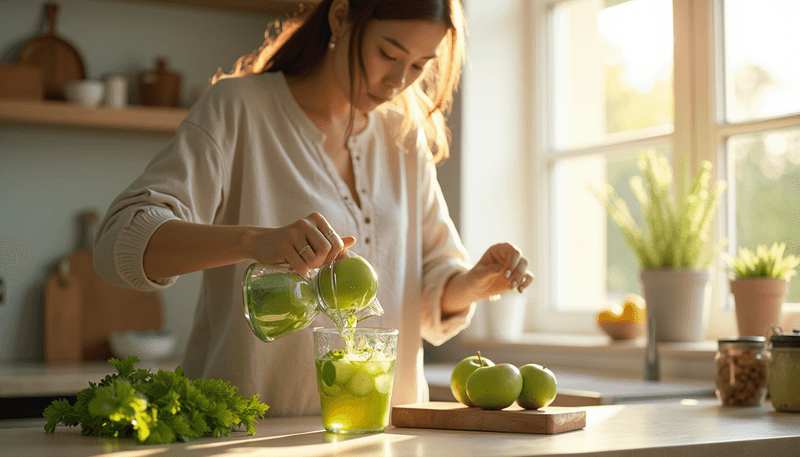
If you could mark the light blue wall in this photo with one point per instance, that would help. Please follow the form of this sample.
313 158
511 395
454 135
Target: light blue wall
49 175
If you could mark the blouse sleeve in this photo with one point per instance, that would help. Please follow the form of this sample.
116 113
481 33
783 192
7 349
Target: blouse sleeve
443 255
183 182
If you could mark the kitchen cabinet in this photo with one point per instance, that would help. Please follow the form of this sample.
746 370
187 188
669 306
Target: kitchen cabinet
685 428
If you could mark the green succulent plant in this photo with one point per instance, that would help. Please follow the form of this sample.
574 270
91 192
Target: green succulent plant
678 230
764 263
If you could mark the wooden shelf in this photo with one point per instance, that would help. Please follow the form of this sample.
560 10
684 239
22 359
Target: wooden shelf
54 113
272 7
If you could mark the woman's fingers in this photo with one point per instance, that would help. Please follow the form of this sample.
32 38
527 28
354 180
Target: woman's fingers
514 266
323 243
527 279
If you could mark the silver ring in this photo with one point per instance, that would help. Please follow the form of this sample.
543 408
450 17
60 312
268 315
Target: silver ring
327 235
301 251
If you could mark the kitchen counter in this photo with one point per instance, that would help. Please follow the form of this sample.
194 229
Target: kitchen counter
575 388
677 428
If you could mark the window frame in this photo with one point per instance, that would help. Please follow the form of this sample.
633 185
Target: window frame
697 135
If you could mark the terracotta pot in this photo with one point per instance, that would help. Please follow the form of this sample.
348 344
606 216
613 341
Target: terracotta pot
676 301
758 303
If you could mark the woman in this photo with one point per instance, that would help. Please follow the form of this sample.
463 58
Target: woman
332 129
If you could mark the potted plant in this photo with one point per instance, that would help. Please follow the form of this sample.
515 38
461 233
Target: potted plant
759 283
674 257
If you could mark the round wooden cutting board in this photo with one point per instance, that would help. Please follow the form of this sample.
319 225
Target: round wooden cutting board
59 60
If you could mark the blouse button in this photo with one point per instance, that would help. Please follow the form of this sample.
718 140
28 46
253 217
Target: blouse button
367 220
366 240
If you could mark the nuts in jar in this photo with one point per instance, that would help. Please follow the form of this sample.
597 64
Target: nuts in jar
742 371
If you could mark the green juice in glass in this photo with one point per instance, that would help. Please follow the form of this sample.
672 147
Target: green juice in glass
355 375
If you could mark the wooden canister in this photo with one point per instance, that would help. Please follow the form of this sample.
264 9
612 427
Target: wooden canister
160 87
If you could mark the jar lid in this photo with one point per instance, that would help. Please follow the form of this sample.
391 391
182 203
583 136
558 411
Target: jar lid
786 340
753 342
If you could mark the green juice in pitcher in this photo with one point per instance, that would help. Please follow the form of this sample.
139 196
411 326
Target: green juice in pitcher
279 301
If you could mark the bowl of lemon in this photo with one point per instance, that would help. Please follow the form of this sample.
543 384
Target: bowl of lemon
626 321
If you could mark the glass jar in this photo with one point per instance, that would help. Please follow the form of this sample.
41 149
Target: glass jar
742 371
279 301
784 371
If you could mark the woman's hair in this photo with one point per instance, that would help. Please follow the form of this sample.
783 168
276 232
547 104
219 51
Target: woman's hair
299 45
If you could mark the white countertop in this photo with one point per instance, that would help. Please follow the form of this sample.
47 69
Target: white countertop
675 429
575 388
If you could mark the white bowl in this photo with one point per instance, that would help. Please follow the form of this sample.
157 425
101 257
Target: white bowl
85 92
149 345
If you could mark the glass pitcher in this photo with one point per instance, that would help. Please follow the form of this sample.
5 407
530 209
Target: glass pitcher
279 301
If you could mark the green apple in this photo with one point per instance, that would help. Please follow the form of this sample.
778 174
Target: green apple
494 387
464 368
355 285
538 386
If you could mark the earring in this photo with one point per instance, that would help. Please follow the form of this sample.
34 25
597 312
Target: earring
332 44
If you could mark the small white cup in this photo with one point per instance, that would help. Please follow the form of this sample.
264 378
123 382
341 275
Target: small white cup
116 91
85 92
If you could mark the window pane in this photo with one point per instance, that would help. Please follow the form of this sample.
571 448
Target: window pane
762 68
767 186
612 68
592 263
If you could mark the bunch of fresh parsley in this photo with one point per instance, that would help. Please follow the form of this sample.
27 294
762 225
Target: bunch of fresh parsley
158 408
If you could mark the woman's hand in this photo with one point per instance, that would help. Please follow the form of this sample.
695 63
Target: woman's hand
308 243
501 268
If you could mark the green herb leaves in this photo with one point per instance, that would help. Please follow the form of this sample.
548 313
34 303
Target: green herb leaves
764 263
158 408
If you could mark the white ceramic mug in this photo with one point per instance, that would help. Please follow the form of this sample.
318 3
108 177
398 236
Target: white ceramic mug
116 91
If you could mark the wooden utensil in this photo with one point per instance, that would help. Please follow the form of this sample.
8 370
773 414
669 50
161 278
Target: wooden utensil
59 60
85 308
456 416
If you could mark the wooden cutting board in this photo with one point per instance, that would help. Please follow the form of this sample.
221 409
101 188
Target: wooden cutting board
81 308
60 61
63 316
514 419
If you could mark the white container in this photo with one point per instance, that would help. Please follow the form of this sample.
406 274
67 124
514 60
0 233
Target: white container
676 300
85 92
505 317
150 345
116 91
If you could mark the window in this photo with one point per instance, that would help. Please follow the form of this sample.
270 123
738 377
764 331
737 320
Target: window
697 80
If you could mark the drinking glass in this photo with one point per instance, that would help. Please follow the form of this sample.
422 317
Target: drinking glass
355 374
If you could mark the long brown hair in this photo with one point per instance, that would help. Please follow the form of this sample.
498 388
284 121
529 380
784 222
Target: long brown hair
297 46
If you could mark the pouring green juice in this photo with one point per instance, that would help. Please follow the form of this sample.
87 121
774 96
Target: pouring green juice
355 366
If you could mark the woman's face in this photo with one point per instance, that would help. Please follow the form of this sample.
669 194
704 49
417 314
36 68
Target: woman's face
395 54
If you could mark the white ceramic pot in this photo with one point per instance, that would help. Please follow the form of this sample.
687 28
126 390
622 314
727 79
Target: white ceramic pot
676 300
85 92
